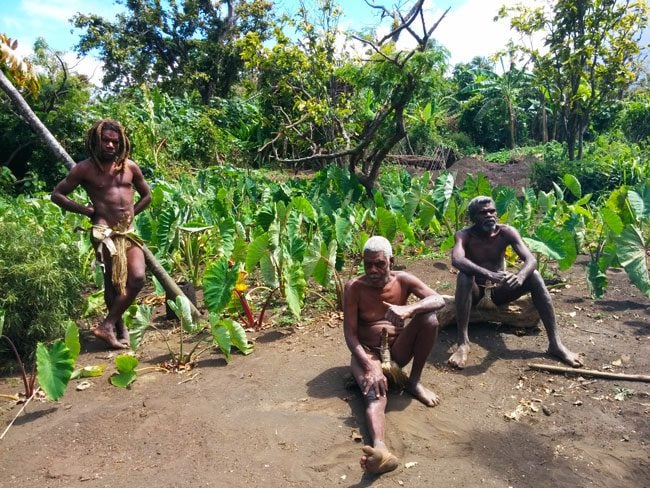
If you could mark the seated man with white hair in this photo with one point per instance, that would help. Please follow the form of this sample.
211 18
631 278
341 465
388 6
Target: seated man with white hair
375 301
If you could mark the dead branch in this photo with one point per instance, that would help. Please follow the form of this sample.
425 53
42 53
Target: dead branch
590 372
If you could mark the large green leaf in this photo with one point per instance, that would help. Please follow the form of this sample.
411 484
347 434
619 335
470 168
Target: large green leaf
165 232
612 220
218 282
221 335
573 184
387 223
343 229
405 228
640 202
256 250
227 233
72 339
125 364
137 319
557 245
294 286
631 253
269 272
320 261
181 307
411 202
302 205
443 189
55 366
238 337
427 212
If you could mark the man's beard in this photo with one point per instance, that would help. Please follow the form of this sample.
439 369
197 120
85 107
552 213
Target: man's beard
488 226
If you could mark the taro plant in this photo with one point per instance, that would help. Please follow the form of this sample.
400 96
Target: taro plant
244 296
181 307
54 364
126 372
190 257
320 264
219 285
280 248
622 225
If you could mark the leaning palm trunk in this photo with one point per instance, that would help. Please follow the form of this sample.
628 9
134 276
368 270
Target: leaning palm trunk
391 369
25 111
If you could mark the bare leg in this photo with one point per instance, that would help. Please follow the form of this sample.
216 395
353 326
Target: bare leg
119 303
465 288
542 300
377 458
121 331
416 341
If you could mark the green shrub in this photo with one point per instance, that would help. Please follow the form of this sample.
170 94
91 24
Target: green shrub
40 283
608 163
634 120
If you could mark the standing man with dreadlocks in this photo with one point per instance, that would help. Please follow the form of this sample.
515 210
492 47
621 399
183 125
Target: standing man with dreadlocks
110 178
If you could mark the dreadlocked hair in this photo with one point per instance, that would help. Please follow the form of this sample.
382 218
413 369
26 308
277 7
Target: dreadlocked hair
94 139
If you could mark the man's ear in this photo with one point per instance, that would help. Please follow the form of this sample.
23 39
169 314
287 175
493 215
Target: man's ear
392 261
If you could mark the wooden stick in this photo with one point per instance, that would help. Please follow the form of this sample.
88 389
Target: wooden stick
19 412
590 372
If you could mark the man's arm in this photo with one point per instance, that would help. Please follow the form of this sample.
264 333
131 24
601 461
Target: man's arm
460 261
530 263
372 378
59 195
142 188
430 301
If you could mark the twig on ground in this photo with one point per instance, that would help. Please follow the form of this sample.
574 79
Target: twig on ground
590 372
19 412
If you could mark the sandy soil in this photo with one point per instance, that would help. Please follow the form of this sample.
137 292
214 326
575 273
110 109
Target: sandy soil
285 416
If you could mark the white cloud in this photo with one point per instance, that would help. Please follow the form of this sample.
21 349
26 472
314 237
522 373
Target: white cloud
60 10
470 29
92 68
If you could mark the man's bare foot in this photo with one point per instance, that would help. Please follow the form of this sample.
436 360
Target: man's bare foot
122 333
458 358
107 335
426 396
378 460
571 358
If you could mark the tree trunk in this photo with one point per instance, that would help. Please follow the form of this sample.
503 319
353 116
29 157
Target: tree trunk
520 313
35 123
50 141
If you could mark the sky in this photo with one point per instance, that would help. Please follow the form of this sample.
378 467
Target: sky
467 31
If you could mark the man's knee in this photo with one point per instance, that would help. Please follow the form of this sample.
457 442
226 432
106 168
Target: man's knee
535 282
464 281
136 281
430 319
427 320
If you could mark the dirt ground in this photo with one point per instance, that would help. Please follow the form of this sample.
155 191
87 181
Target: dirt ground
285 415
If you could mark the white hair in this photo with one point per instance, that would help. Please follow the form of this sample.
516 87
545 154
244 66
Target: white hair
377 244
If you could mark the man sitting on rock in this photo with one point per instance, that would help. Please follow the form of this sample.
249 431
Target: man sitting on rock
479 255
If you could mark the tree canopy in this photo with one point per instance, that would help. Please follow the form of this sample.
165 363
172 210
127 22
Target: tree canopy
180 46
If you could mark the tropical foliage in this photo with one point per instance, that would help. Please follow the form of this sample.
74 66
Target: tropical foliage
217 95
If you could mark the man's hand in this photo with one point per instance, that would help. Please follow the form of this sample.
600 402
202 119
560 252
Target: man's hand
397 314
511 280
375 381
